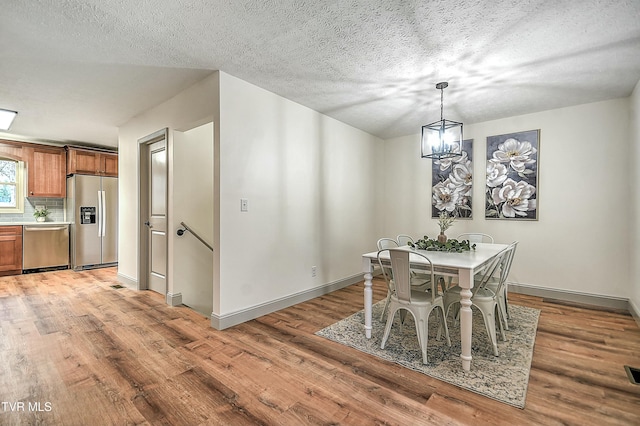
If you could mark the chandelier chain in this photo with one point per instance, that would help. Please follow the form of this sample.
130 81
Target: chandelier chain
441 104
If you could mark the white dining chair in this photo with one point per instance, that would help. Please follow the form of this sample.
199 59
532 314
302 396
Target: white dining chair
404 240
385 243
493 283
476 237
404 297
473 237
485 298
418 281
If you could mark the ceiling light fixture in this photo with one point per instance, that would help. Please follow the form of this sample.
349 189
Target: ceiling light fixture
6 118
441 139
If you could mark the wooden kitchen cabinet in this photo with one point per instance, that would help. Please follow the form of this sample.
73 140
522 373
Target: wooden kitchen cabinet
10 250
11 149
47 171
110 162
88 162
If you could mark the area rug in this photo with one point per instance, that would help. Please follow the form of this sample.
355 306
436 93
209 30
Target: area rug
504 378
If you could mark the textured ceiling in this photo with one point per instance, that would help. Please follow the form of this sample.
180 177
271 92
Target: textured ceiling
76 70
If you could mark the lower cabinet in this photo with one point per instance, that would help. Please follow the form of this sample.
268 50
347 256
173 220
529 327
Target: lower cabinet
10 250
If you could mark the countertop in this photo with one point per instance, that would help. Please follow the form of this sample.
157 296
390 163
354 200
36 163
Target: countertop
34 223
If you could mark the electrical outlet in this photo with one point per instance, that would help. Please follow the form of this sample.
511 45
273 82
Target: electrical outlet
39 207
313 271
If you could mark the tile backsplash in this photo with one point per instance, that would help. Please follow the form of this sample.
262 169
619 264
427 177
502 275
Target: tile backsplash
56 205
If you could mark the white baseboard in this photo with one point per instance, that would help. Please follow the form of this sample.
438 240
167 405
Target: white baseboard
635 311
220 322
129 282
571 296
174 299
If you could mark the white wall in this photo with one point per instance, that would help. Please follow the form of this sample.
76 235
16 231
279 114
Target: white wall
407 189
581 238
311 185
634 160
317 196
193 205
194 106
310 181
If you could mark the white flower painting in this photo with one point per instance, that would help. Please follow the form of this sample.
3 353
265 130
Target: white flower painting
452 184
512 176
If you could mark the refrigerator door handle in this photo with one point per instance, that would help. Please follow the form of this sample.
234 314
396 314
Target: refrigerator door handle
104 214
99 214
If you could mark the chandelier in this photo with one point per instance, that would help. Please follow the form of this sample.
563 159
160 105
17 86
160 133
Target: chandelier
443 138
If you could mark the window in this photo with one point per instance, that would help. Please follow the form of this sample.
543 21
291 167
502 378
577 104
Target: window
11 188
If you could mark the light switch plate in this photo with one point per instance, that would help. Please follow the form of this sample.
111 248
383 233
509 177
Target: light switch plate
244 205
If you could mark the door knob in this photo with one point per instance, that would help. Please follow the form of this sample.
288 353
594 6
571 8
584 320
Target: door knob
148 224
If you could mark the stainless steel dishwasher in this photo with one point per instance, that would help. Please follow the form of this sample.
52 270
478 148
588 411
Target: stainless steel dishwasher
45 246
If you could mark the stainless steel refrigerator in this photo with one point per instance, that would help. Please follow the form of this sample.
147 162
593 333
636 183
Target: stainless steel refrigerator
92 209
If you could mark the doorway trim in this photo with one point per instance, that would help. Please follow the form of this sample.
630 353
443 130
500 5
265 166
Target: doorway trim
143 206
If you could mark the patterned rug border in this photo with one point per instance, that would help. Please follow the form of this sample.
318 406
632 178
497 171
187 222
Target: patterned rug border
504 378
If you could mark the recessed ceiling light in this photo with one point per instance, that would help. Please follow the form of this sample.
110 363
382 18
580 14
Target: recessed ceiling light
6 118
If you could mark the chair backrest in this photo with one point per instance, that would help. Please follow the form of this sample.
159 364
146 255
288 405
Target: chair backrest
512 252
404 240
399 259
476 237
494 267
500 266
385 243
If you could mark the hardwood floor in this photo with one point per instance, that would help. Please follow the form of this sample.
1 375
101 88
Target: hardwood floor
75 351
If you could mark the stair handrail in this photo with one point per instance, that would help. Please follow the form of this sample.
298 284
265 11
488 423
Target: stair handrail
186 228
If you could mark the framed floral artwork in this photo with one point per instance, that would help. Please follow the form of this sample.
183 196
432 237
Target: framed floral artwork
512 176
452 184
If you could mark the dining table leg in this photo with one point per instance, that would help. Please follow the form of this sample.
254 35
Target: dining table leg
368 302
465 280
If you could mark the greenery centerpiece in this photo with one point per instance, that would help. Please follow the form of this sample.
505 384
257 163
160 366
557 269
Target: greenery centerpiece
451 245
41 214
441 242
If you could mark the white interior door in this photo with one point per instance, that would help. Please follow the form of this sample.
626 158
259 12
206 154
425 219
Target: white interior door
157 220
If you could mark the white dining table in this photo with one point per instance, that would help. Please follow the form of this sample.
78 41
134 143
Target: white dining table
463 265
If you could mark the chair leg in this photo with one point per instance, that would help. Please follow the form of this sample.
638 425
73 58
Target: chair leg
487 310
387 328
456 317
386 305
422 329
440 318
506 302
502 305
501 321
503 312
456 311
403 317
443 324
448 300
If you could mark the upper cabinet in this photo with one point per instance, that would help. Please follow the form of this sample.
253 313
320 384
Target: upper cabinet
48 165
11 149
88 162
47 168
